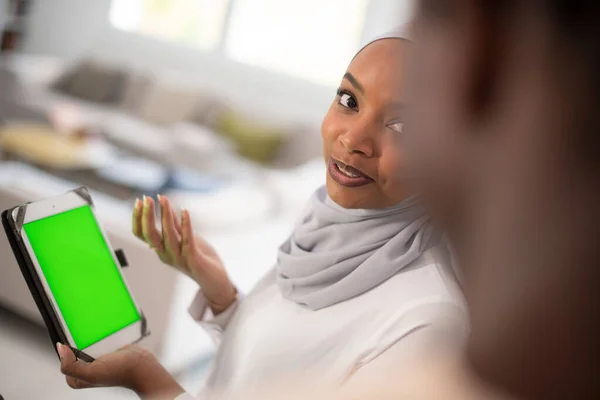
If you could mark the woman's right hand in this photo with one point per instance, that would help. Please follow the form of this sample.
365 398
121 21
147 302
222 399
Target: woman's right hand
176 245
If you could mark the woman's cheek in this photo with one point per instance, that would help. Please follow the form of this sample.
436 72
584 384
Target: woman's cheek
330 131
327 127
392 169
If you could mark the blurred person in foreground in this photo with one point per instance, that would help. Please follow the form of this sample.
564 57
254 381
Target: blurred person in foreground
503 134
361 287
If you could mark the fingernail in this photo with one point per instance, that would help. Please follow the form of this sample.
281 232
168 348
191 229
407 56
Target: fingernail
59 348
145 201
159 197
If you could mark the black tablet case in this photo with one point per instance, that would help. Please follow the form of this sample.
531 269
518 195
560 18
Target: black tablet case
13 230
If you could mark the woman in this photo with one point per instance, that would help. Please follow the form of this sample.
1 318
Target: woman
357 287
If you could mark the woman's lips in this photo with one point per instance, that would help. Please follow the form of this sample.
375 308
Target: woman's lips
346 175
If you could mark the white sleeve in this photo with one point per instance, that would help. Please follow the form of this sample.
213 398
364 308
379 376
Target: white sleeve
213 325
216 325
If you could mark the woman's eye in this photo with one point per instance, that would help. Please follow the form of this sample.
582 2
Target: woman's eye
347 100
397 126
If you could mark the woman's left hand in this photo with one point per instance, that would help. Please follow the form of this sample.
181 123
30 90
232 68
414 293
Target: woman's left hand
131 367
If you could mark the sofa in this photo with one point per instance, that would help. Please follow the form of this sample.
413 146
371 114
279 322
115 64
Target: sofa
145 114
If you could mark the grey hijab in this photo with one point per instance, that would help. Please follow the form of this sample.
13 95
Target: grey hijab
335 254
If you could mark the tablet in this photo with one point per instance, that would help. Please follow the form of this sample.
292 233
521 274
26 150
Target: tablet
76 274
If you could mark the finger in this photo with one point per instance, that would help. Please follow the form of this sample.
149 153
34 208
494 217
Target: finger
136 223
149 231
175 217
76 383
170 236
186 229
188 248
177 222
70 366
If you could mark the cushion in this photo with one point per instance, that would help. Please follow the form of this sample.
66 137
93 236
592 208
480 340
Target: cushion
137 87
166 104
93 81
253 140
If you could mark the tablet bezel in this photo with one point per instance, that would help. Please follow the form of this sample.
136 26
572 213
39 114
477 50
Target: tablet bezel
57 205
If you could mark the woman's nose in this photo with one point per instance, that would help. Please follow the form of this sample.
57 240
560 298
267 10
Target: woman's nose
358 140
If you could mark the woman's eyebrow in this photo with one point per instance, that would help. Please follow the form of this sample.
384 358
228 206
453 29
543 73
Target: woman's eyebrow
348 76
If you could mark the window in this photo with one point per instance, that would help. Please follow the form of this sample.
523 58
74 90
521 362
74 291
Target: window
311 39
308 39
198 23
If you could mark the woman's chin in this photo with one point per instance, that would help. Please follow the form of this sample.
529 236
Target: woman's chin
345 197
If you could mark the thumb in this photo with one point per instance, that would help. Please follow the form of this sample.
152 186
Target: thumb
76 383
69 365
65 354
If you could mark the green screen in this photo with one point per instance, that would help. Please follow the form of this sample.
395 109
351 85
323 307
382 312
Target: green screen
82 275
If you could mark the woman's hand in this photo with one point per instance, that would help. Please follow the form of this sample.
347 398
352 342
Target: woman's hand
131 367
176 245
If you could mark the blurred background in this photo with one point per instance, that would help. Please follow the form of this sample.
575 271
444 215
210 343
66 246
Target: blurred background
214 103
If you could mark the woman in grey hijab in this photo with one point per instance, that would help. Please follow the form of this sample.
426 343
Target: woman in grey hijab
358 286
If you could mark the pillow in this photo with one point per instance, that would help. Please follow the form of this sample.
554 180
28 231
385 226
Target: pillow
138 85
252 140
93 81
166 105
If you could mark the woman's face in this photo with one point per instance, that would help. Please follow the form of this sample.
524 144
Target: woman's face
362 131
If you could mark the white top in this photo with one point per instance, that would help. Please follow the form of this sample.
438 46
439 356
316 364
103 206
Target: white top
266 339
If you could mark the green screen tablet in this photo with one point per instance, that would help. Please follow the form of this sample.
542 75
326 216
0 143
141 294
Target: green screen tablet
82 275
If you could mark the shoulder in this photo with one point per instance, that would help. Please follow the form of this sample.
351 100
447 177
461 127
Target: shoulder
424 300
429 281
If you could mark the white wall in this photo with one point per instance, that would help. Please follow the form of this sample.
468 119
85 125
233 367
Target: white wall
65 27
74 28
384 15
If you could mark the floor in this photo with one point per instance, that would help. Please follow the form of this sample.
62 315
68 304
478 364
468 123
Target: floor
29 368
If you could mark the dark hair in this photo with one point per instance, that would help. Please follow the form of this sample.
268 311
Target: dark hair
578 22
575 26
574 17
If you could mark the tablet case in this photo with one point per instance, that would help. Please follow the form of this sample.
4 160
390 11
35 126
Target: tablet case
13 233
